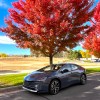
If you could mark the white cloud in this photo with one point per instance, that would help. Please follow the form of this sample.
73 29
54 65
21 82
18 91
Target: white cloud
3 4
6 40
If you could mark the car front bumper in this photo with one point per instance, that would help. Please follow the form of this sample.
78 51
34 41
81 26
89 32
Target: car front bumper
36 86
29 89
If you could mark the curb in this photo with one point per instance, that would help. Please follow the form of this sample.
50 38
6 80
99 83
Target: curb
10 89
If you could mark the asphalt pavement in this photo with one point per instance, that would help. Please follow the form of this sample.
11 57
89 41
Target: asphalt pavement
90 91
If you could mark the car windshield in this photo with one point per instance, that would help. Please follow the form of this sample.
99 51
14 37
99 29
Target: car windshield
54 67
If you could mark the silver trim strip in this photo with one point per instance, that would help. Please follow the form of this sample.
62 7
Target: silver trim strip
29 89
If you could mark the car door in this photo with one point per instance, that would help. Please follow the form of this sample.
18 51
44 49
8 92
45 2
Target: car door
65 75
75 73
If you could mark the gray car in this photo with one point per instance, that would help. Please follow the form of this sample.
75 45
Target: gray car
53 79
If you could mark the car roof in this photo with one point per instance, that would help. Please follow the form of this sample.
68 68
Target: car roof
64 63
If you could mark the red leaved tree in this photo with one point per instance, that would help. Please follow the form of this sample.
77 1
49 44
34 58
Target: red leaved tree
48 25
92 41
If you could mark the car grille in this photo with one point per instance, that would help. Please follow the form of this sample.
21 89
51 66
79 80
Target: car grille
29 84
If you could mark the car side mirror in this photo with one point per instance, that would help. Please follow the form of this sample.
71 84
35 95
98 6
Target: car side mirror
64 71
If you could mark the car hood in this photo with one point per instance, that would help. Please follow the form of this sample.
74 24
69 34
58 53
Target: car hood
37 75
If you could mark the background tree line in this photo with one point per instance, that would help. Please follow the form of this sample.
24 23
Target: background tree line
3 55
78 54
71 54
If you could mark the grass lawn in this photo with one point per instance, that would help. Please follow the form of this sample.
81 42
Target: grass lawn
11 80
17 79
92 70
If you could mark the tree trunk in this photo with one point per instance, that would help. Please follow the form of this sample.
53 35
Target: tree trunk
51 60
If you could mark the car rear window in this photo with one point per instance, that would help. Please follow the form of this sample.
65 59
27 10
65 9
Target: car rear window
74 67
67 66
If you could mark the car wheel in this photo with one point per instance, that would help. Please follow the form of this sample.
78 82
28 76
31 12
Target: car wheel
54 87
83 79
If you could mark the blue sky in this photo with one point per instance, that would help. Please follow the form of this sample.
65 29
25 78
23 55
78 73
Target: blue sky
7 45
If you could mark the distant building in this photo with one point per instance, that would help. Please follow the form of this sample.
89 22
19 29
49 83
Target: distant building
93 57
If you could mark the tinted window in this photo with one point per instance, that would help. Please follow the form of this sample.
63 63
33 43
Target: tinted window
54 67
74 67
57 66
67 66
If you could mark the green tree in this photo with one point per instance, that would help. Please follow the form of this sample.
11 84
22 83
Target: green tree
74 55
3 55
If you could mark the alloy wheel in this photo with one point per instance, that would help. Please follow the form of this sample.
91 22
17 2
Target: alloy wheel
83 79
54 87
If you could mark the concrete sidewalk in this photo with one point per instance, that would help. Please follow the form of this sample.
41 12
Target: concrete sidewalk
15 72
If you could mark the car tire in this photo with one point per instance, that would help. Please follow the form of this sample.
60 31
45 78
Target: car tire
83 79
54 87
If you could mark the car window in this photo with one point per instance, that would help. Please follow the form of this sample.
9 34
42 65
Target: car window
74 67
67 66
47 68
54 67
57 66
